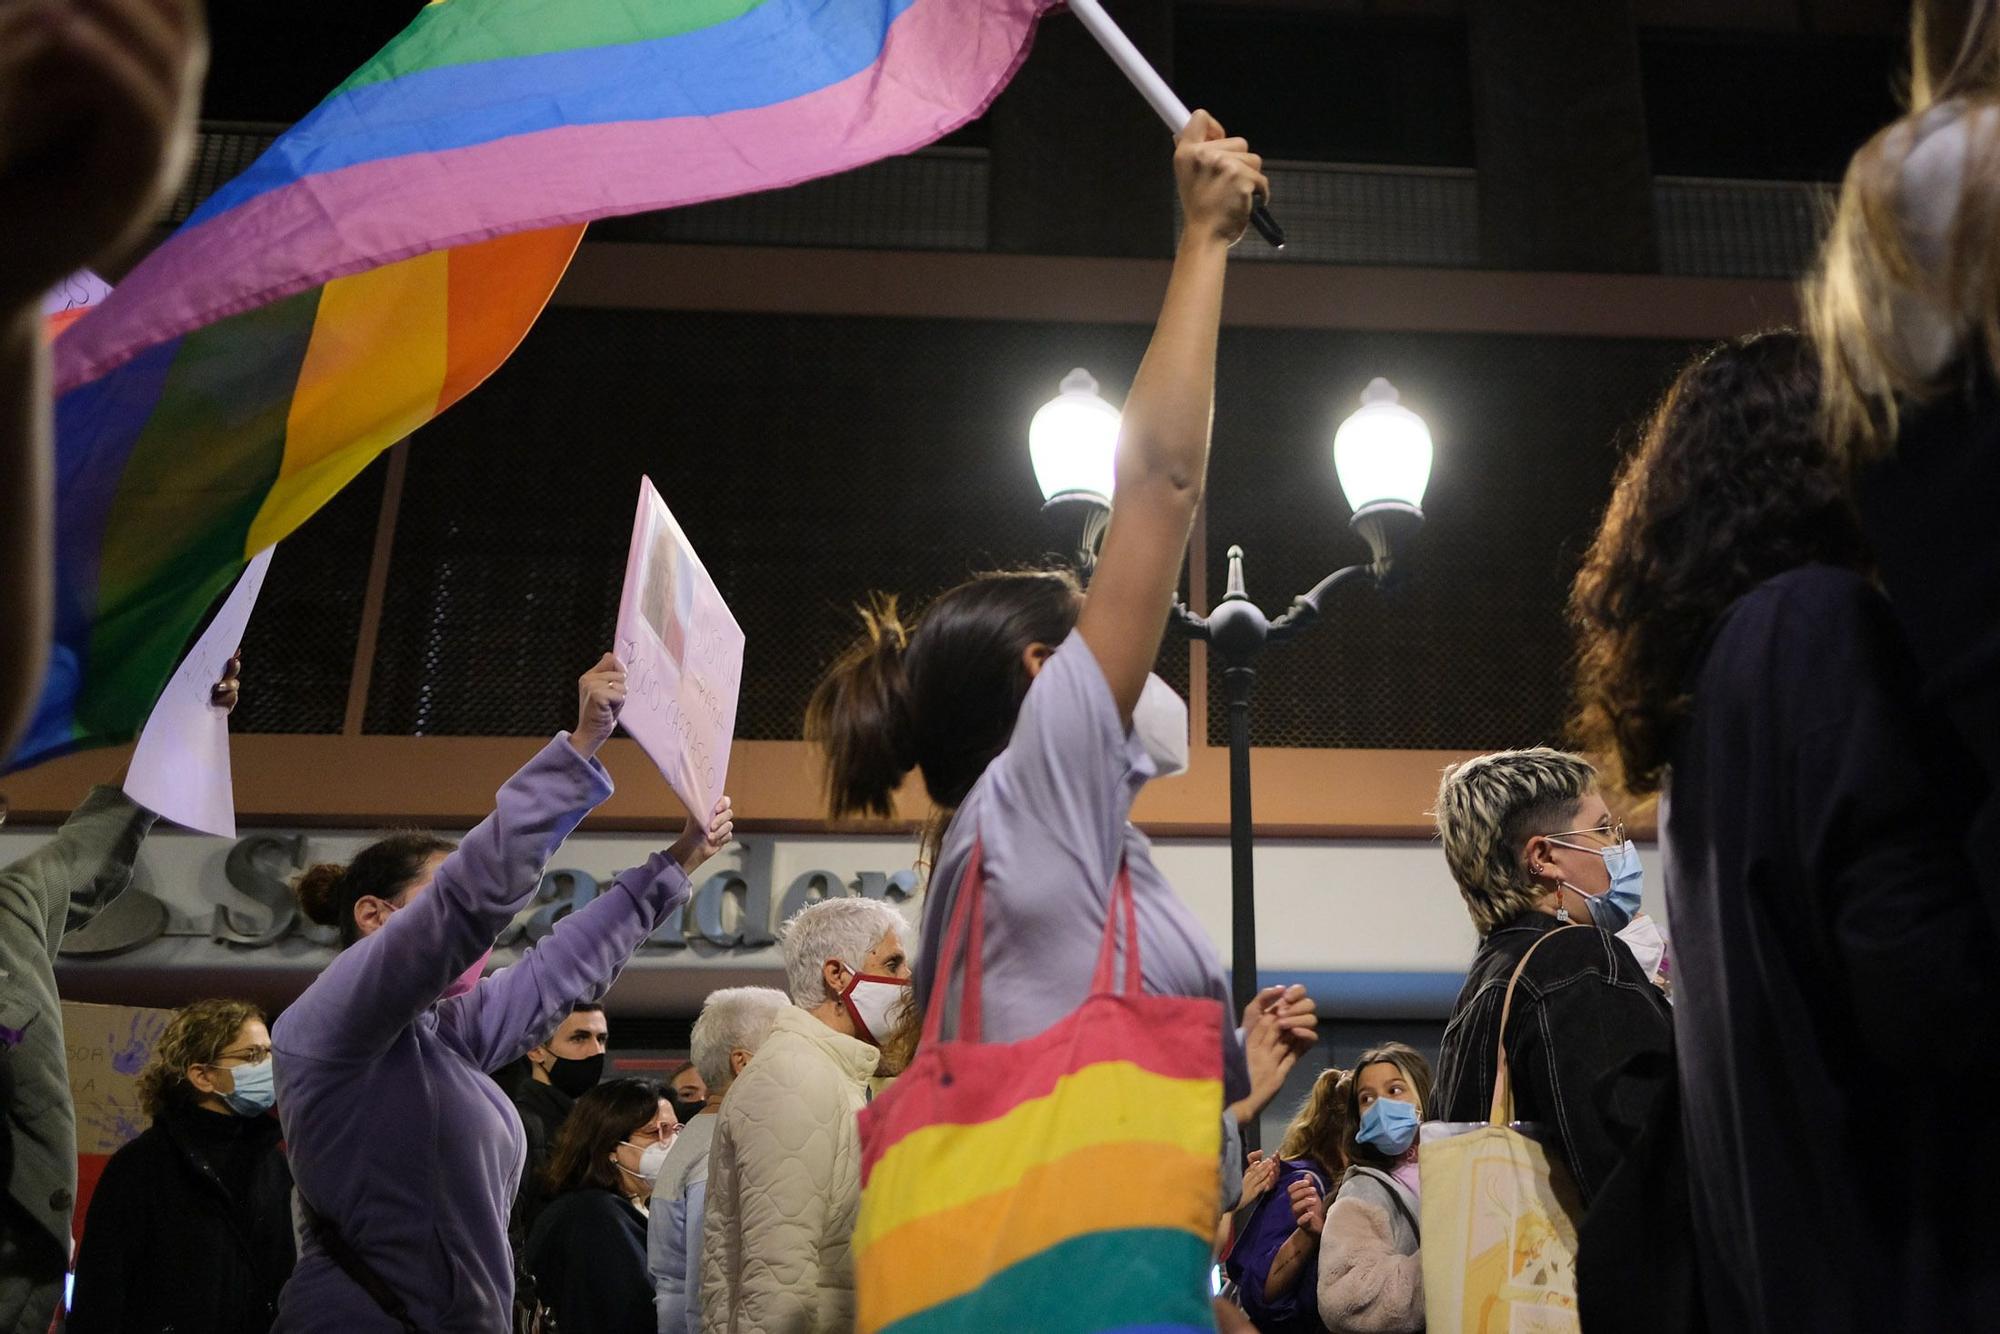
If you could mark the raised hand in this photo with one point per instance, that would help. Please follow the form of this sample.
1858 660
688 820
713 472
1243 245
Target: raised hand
600 695
702 839
1259 1171
225 693
1219 179
97 106
1308 1206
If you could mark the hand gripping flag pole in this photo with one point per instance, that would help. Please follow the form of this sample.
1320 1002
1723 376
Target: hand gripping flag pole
1154 89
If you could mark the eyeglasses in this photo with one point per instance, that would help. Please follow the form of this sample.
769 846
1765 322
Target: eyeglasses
1611 831
247 1055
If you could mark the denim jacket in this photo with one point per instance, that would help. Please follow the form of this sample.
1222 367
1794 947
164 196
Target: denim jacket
1583 1008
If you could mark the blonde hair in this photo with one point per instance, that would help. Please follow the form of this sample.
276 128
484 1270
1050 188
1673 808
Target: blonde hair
1486 809
1318 1130
1868 362
196 1034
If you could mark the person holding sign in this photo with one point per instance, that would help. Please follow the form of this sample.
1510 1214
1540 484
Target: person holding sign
406 1155
1030 708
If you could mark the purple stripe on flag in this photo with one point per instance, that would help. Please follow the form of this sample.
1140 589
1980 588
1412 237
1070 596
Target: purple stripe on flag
110 414
935 74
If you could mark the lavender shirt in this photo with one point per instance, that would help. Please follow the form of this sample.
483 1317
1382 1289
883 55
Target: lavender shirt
395 1132
1051 813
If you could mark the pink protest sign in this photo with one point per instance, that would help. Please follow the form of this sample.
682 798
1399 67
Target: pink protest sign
683 656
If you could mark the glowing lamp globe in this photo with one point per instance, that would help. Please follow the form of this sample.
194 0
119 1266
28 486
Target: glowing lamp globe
1073 442
1382 452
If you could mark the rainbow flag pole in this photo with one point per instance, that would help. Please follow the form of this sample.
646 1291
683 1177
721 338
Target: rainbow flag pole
388 252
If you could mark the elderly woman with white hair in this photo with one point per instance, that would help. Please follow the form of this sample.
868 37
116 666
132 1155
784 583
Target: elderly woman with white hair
784 1171
1534 849
733 1024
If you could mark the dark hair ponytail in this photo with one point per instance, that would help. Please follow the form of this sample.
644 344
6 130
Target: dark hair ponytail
941 698
859 715
384 869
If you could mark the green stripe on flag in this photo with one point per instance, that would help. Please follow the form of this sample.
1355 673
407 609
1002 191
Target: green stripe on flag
196 477
469 32
1133 1277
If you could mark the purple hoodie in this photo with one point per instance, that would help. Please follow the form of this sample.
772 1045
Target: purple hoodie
396 1134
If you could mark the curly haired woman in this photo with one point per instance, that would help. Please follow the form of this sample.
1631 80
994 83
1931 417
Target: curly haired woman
191 1224
1831 951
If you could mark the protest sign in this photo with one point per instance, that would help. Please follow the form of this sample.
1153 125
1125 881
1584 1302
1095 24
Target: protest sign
180 770
107 1046
683 656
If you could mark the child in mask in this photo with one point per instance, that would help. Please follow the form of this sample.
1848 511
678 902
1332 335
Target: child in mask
588 1249
1371 1274
191 1227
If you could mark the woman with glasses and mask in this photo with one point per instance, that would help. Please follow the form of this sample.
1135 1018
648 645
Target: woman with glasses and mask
1535 850
588 1248
191 1227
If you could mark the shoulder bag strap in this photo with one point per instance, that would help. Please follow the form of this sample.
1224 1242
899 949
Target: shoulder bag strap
1122 908
1502 1111
968 918
1395 1190
356 1268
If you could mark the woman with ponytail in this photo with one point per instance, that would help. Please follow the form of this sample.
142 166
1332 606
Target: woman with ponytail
406 1154
1029 706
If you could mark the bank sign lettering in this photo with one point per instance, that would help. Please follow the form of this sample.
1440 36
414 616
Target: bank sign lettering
730 910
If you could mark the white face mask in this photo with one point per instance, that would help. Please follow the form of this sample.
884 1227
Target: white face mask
1647 943
1160 721
651 1159
872 1002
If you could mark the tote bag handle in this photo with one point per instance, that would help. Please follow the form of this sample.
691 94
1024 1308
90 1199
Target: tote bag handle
966 936
1502 1112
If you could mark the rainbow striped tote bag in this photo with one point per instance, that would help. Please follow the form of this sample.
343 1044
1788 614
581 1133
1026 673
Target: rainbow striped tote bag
1065 1183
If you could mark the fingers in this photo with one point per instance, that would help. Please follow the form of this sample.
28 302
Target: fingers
608 663
1200 128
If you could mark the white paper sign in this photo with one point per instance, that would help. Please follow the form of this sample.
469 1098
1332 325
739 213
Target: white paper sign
683 656
180 770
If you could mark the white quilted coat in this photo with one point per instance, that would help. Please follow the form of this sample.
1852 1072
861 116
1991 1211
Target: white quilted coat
784 1181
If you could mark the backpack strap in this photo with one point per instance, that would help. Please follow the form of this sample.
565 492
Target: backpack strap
1502 1110
1395 1189
356 1268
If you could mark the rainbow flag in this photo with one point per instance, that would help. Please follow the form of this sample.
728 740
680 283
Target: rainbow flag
1066 1183
389 251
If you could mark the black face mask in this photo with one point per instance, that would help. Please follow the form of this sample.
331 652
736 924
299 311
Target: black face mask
684 1111
577 1078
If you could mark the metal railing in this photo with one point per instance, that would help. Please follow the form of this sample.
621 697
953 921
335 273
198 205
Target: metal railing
1335 213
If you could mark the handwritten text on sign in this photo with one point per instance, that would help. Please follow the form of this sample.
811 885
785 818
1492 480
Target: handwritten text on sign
683 656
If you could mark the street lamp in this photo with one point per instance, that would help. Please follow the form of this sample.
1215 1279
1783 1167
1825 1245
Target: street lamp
1382 456
1073 444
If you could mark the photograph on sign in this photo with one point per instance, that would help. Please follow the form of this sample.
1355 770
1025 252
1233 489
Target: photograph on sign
683 656
180 770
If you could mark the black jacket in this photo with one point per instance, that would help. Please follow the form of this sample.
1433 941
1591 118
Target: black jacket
588 1256
1830 943
169 1246
1582 1010
543 1109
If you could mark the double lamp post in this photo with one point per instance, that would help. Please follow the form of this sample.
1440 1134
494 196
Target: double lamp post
1382 456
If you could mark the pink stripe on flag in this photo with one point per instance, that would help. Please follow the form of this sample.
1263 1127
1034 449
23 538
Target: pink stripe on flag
936 73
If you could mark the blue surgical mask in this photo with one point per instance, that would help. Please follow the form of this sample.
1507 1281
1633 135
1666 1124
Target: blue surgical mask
1390 1126
256 1089
1615 908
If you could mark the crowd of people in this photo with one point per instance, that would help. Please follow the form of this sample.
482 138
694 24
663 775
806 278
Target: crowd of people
1787 629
